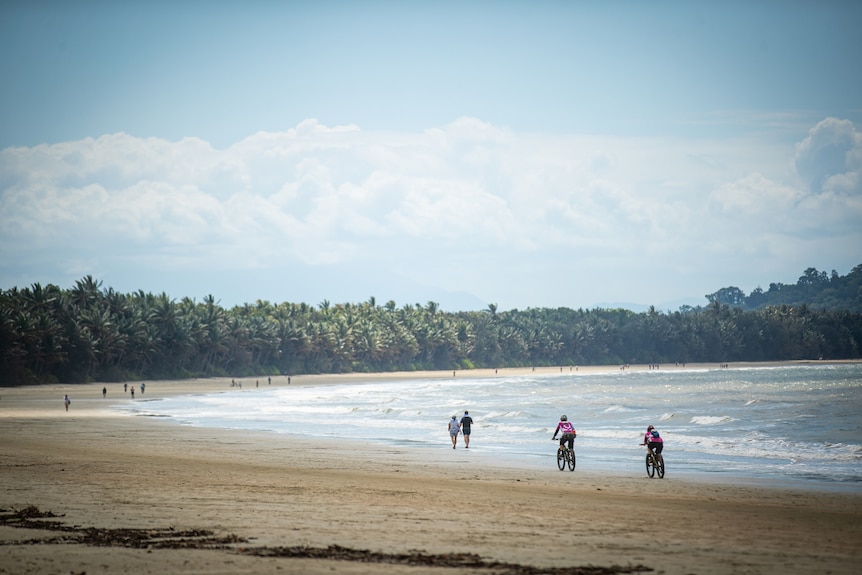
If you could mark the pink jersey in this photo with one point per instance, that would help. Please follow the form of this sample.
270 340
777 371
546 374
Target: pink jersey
565 427
652 437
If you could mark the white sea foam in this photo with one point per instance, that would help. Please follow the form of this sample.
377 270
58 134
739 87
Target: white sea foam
710 419
618 409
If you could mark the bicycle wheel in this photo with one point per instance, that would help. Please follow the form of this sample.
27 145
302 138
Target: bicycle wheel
571 461
650 465
659 465
561 458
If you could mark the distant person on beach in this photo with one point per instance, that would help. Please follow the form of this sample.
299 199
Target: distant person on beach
466 422
133 391
653 440
454 428
104 392
143 387
568 432
67 401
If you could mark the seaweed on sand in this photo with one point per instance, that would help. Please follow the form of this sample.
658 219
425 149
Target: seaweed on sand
31 517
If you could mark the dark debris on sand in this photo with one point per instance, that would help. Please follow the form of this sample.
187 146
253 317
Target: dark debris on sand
417 558
168 538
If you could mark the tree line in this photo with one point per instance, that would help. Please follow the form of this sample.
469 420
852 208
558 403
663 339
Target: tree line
814 288
91 333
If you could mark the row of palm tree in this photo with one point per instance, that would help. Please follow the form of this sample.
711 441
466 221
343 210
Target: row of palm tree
91 333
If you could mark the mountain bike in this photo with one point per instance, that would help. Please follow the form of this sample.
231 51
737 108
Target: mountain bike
565 456
654 464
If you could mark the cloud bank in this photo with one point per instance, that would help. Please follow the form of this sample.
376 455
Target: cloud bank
468 214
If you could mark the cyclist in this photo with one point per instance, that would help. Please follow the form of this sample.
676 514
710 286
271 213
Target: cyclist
653 440
568 432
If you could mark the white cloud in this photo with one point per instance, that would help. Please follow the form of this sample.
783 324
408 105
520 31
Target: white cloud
755 197
458 206
830 158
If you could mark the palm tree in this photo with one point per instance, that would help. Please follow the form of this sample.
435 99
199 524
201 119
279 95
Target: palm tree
87 292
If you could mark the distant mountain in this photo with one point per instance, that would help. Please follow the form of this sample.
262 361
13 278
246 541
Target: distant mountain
641 308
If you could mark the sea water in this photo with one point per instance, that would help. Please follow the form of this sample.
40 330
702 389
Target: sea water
797 423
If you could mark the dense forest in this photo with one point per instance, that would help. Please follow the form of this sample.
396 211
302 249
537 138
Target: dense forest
91 333
814 288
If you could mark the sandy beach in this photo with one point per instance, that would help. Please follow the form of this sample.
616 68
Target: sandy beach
90 491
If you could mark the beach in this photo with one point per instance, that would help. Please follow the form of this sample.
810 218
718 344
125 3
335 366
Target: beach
92 491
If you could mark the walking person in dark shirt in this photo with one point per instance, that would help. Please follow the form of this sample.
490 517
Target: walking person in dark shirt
466 422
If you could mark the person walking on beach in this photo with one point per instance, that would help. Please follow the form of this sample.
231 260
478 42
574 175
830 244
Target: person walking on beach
67 401
454 428
104 392
466 422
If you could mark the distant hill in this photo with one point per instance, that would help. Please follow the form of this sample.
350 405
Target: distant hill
687 303
815 289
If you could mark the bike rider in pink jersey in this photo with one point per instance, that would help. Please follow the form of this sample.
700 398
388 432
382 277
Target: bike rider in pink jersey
653 440
568 432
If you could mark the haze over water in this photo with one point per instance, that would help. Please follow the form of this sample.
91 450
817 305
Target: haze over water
788 423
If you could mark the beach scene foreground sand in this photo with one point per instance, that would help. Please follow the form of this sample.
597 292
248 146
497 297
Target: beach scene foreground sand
91 490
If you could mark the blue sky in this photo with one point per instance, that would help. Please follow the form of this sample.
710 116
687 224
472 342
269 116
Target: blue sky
527 154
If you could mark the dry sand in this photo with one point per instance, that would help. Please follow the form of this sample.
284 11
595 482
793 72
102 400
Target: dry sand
142 495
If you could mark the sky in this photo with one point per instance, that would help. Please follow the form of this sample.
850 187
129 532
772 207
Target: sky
522 154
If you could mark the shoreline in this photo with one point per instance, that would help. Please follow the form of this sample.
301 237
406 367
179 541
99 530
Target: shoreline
102 469
210 384
88 397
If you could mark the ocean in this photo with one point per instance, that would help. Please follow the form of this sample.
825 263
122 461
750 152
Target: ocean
793 424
